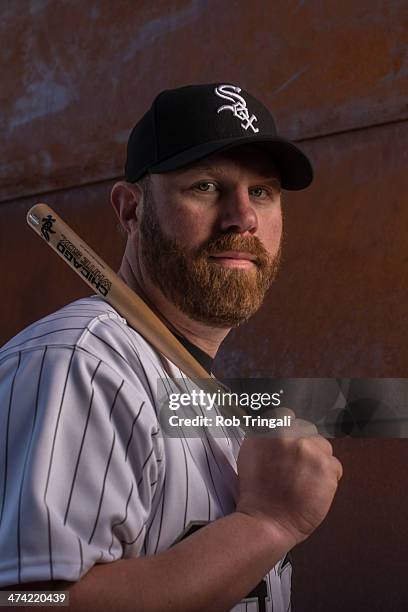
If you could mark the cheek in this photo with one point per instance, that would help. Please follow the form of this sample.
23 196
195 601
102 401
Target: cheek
272 234
190 227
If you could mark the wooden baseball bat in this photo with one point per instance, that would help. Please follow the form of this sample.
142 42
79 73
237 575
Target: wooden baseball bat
107 284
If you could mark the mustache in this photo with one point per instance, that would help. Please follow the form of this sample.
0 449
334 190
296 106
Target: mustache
235 242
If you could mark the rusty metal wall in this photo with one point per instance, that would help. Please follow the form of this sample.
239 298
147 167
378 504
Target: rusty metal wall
77 75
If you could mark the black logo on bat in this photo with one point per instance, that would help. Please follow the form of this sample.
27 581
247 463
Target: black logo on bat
46 228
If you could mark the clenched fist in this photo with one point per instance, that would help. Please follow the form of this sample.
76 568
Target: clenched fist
288 481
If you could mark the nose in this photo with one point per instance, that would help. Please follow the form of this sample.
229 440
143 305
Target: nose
237 213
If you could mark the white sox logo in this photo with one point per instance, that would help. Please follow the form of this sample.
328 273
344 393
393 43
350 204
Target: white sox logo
238 108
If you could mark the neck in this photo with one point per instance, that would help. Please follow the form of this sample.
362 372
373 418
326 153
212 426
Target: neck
206 337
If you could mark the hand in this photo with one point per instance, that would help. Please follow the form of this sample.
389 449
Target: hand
288 481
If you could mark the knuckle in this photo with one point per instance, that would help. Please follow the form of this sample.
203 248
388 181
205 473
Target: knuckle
284 410
339 467
325 445
304 447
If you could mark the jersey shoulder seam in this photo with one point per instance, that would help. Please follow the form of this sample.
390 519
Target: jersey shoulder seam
76 347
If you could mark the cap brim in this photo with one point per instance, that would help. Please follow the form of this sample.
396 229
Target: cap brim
294 167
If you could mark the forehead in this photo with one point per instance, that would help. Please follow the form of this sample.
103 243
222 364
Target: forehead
251 159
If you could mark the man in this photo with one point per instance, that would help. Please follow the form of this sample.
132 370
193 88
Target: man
94 497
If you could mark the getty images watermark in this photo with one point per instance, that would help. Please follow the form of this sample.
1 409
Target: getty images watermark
221 400
355 407
187 411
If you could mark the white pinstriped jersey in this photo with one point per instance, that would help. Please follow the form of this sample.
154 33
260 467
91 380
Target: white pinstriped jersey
85 476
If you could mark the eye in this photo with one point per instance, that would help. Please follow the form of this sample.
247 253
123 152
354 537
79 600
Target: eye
259 192
205 186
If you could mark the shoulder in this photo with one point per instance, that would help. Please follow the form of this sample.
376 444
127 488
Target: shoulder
82 356
65 326
85 343
92 326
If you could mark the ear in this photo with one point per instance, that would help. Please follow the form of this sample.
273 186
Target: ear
125 198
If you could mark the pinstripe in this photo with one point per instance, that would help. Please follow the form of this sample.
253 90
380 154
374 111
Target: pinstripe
114 525
139 482
208 462
136 352
131 431
82 444
115 398
125 330
152 518
51 461
163 376
81 556
103 489
60 345
25 467
31 338
90 311
107 344
90 306
184 439
151 393
136 538
201 409
205 487
232 430
268 577
161 517
212 479
49 542
51 319
186 494
7 439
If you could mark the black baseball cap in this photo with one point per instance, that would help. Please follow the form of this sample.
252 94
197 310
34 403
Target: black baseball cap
186 124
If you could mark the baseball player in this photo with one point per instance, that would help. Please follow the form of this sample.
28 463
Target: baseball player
94 499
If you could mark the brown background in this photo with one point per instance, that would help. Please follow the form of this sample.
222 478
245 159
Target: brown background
75 76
